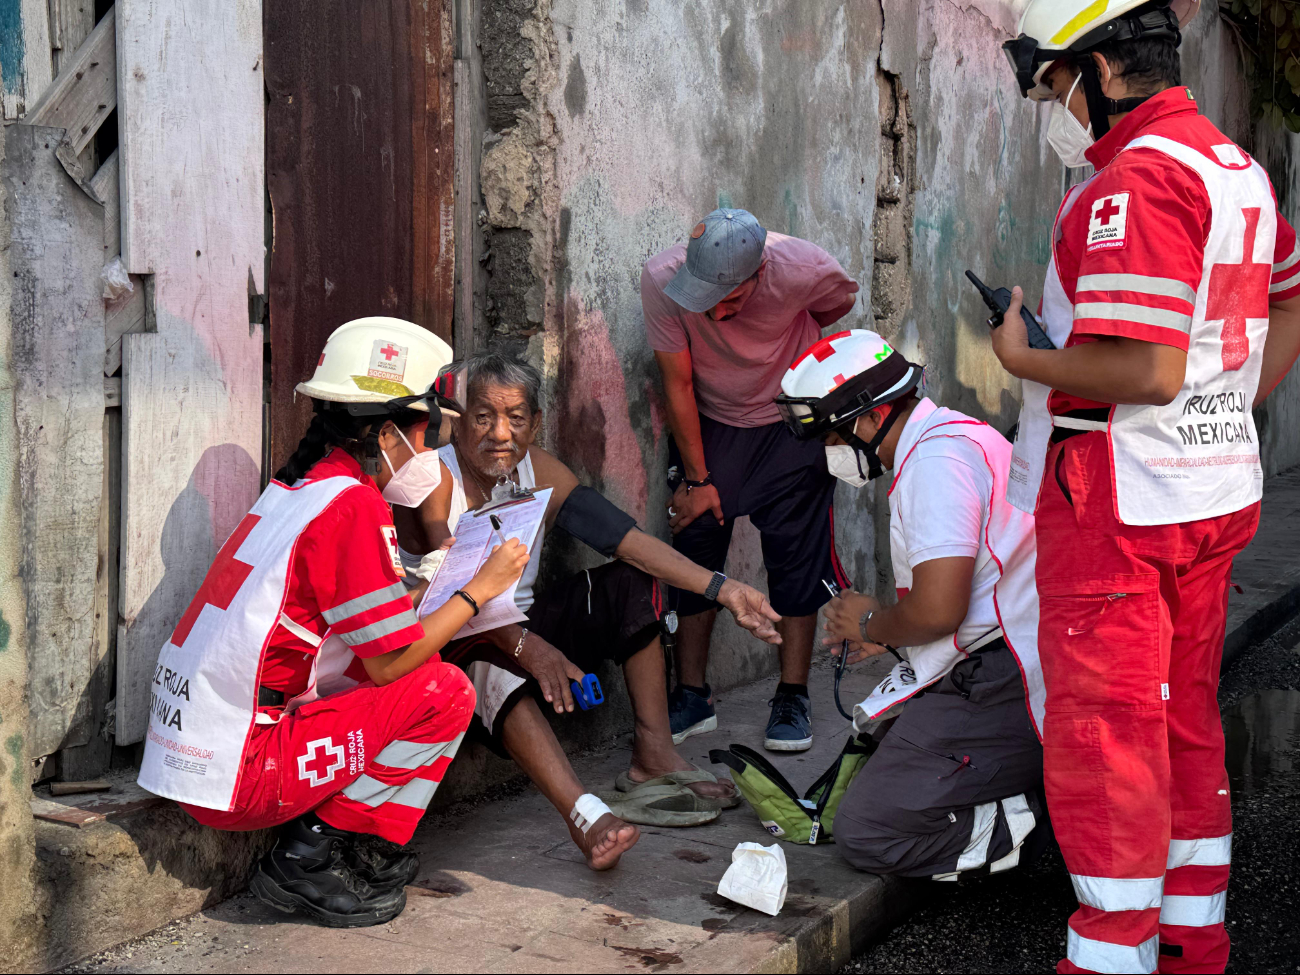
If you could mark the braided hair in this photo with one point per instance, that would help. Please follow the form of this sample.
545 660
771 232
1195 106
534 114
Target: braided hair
332 427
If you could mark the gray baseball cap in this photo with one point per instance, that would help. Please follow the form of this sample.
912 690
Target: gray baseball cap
725 249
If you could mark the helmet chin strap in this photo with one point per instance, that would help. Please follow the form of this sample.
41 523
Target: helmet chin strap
1101 108
868 448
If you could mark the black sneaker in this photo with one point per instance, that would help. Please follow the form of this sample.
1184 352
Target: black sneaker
690 712
789 729
307 871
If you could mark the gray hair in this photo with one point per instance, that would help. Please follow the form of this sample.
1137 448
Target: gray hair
500 369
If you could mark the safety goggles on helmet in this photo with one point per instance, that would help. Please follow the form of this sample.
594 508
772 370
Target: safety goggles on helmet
809 417
1052 30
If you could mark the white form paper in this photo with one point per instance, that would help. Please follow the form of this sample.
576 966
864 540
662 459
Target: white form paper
475 540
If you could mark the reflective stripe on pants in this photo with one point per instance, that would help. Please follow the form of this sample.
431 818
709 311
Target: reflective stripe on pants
1130 636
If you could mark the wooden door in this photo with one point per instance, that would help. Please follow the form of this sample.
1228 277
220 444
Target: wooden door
360 171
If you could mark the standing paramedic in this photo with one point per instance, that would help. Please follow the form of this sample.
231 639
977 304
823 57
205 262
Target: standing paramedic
299 687
1173 297
726 314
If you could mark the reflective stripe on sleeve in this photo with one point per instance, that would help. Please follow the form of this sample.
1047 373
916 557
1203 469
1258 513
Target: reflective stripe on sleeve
1285 285
1214 851
1138 283
1194 912
1288 262
417 793
382 628
981 831
1118 894
1122 311
1102 956
362 603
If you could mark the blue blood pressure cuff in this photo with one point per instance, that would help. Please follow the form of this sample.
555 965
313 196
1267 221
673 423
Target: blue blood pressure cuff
593 519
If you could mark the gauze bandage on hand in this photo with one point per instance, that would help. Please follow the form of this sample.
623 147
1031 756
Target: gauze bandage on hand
429 564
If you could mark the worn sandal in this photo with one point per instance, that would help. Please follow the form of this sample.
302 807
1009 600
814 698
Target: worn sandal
625 783
662 805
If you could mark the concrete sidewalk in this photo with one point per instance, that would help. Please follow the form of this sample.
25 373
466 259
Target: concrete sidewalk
503 889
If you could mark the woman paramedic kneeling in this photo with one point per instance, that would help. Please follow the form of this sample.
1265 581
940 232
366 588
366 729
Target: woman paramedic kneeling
299 686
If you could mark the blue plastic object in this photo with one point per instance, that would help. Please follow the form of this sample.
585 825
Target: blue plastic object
587 692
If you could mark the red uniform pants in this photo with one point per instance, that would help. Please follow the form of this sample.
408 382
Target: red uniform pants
1131 638
366 760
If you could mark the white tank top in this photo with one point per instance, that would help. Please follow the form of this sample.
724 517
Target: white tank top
459 505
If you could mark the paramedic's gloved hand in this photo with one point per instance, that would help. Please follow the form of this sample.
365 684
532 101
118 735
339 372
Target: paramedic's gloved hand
1010 339
687 505
552 669
750 608
843 619
503 566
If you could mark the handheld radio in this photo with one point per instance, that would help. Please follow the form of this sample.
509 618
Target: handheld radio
999 301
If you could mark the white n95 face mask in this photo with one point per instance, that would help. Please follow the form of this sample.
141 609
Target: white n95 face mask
1066 135
842 461
415 480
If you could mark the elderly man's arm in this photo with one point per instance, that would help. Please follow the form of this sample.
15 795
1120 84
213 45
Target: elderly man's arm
750 608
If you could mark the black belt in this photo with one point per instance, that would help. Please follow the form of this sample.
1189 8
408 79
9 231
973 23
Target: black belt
269 697
1099 415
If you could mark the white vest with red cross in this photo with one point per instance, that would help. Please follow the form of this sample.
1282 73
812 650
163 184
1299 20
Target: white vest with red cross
1007 542
204 692
1197 457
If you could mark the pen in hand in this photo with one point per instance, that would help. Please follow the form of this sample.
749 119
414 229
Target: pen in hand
496 528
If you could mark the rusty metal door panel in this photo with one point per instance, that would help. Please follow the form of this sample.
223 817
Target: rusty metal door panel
359 166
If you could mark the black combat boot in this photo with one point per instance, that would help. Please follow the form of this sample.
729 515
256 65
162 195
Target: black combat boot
374 859
308 871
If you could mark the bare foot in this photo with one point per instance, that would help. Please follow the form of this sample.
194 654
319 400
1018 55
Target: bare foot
607 840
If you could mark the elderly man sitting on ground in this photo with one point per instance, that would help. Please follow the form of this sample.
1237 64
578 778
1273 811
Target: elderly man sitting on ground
608 613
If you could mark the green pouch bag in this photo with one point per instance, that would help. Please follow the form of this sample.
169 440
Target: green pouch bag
783 812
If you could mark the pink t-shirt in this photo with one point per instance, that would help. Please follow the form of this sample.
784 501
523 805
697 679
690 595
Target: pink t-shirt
737 364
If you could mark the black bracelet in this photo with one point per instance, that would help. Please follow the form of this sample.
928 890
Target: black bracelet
708 479
715 586
468 598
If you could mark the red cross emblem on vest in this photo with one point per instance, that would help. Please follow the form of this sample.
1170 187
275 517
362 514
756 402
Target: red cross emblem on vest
1238 292
222 581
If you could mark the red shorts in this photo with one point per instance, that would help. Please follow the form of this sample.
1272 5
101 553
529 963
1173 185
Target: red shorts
366 760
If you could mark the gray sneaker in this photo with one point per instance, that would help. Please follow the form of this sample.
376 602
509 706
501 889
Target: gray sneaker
790 727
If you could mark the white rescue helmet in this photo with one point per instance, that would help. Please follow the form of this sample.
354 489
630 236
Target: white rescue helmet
374 365
1050 30
839 378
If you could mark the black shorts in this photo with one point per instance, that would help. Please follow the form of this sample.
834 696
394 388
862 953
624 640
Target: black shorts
783 486
610 613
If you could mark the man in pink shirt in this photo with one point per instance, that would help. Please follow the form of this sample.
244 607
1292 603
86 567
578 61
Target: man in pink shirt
726 315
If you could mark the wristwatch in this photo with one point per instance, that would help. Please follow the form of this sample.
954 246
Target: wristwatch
715 587
863 620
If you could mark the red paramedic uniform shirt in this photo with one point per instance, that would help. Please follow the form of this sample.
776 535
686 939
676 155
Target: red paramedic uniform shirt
1164 232
344 579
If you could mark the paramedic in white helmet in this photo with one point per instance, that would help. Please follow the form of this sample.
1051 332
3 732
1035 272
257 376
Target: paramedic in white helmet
954 784
1173 300
299 688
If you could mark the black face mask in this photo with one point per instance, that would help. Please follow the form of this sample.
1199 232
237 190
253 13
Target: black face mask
868 448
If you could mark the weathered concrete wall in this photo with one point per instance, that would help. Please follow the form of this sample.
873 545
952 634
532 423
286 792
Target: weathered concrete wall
17 927
892 135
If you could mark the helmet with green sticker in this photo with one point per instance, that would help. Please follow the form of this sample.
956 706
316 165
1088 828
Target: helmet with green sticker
839 378
372 366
